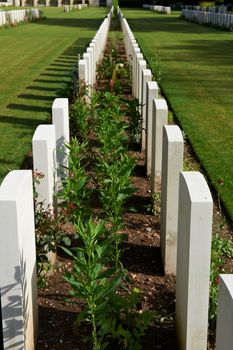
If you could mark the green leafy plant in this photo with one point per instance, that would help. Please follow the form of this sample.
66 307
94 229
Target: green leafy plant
91 278
132 110
75 194
80 119
131 323
48 232
113 318
98 276
116 186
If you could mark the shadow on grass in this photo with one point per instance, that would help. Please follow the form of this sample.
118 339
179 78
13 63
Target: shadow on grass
65 69
45 81
64 65
41 88
79 23
21 122
25 107
151 22
62 75
36 97
47 77
207 52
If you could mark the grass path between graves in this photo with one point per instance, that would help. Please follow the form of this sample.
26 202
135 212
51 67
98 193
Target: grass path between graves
197 79
36 61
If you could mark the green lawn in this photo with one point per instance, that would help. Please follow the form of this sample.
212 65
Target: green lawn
36 60
197 79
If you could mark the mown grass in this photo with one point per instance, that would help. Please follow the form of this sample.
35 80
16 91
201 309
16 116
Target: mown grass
197 79
36 60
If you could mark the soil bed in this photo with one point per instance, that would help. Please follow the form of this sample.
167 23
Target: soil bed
141 258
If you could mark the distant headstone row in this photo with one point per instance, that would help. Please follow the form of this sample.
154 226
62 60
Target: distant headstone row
17 16
218 9
87 65
158 8
68 8
216 19
186 213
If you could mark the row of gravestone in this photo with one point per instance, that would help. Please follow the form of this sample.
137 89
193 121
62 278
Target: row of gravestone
219 9
87 65
17 16
186 214
71 7
158 8
48 3
217 19
18 280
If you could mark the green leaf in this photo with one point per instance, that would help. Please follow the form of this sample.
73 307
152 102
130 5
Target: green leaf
66 240
67 251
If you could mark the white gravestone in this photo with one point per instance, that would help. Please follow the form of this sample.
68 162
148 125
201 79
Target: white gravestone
172 164
224 333
60 118
139 57
152 93
146 76
159 119
141 66
193 261
136 50
44 161
18 279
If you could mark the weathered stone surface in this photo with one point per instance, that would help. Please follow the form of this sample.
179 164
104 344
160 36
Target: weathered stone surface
139 57
172 165
159 119
44 161
141 66
152 93
224 333
82 69
18 262
193 261
60 118
146 76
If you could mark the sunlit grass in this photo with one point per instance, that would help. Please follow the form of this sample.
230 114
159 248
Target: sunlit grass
197 79
36 61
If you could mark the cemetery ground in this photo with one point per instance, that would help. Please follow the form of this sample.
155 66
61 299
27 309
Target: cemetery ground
37 60
196 63
141 258
141 255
